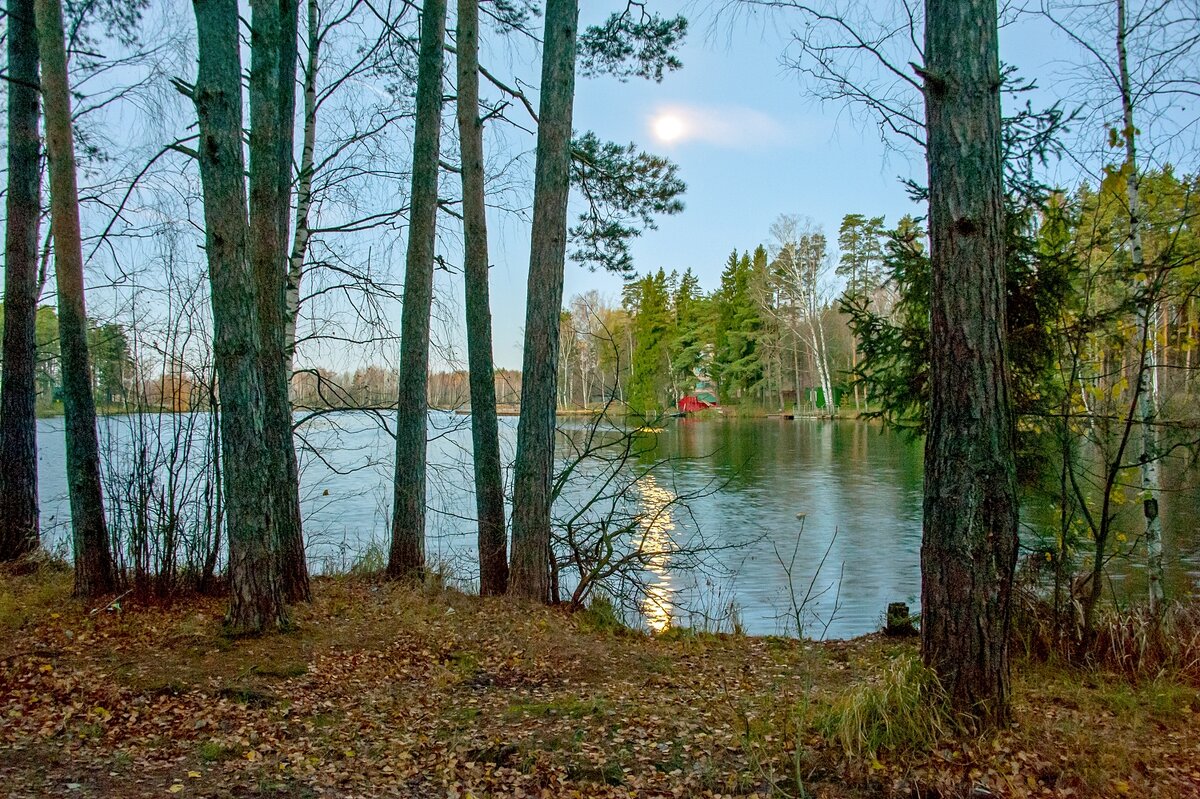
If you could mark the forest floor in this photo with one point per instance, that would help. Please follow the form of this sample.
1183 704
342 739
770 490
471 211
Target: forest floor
383 690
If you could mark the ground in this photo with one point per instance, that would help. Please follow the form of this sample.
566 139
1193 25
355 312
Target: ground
384 690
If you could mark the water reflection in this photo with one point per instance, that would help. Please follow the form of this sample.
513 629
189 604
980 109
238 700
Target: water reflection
744 482
655 546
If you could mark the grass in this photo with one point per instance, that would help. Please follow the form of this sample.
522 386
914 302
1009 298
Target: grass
902 709
601 616
567 707
401 690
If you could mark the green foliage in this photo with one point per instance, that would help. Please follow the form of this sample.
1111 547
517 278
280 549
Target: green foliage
628 46
652 329
894 347
108 349
601 616
862 263
737 366
623 190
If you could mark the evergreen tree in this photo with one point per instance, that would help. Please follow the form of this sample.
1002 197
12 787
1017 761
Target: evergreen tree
19 529
692 333
861 240
736 363
652 332
95 571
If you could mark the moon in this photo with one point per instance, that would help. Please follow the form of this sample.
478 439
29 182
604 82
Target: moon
668 127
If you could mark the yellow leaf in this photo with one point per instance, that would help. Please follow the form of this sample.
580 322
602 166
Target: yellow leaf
193 774
176 788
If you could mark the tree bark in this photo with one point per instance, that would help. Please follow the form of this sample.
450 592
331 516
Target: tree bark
18 388
407 556
969 547
273 56
95 573
1147 375
534 473
256 598
485 436
304 182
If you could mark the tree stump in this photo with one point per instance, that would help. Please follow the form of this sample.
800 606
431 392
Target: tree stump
899 620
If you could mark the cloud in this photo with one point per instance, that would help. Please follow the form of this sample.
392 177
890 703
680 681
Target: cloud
730 126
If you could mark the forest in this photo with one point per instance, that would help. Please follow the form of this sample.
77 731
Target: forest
250 243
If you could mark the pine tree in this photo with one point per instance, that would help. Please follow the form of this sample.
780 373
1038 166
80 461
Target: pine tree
18 384
736 363
407 554
861 241
691 334
652 333
95 572
969 541
485 440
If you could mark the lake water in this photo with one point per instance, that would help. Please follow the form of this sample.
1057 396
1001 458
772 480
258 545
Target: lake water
813 513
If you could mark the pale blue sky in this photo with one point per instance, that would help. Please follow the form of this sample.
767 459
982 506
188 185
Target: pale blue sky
762 149
769 148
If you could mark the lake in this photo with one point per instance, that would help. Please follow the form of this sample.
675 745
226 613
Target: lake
816 516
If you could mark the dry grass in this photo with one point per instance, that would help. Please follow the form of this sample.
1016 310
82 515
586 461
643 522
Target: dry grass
901 709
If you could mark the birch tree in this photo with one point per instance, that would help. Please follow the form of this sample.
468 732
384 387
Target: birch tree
801 267
1139 78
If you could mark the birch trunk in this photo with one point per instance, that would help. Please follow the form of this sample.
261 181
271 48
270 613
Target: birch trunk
1147 384
304 182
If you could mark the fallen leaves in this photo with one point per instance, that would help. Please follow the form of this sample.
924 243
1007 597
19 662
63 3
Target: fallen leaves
384 692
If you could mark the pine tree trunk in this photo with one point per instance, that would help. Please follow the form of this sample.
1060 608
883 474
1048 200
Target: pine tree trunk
534 472
273 57
95 573
18 388
256 597
485 436
969 547
1146 377
407 556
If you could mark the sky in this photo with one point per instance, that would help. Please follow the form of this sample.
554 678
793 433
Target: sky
749 137
750 146
752 142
